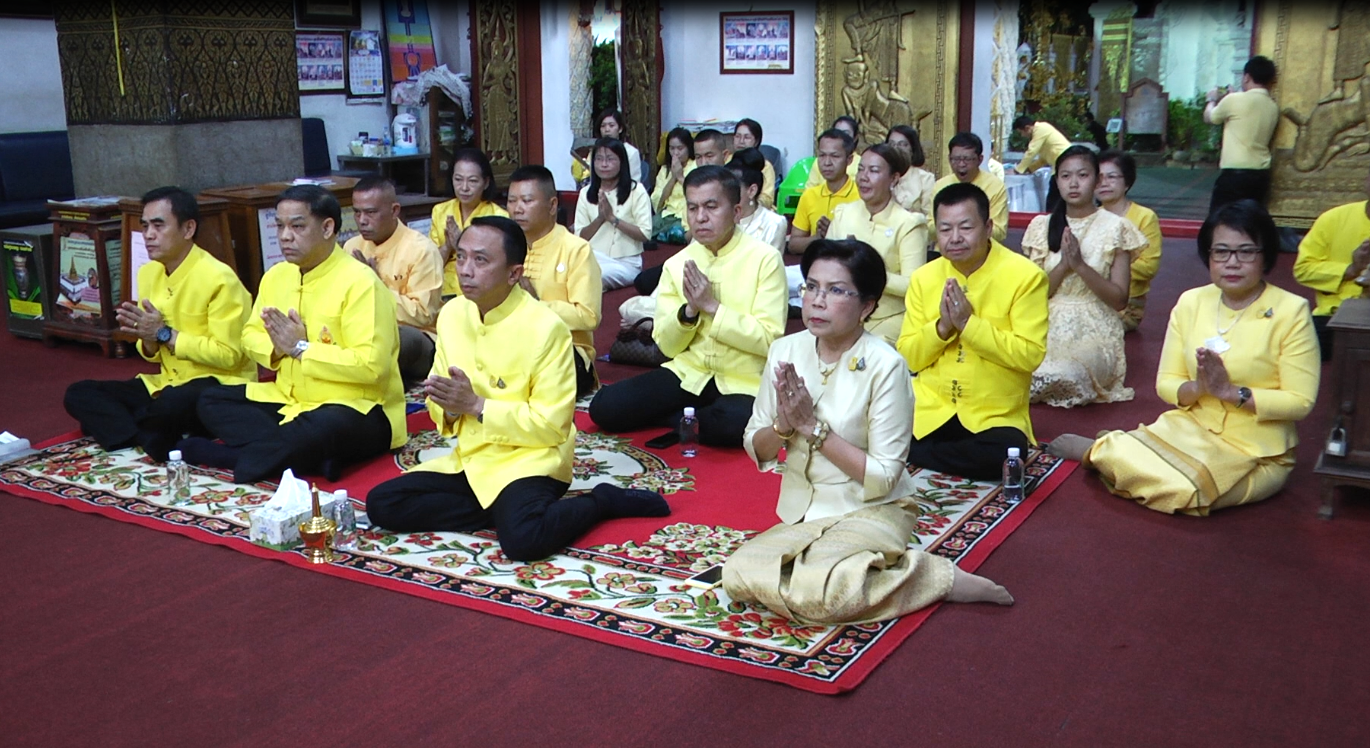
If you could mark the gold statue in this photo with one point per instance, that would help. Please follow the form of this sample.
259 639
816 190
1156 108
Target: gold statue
877 112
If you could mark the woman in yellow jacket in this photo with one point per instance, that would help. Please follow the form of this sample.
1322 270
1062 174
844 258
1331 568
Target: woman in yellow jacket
1241 364
473 183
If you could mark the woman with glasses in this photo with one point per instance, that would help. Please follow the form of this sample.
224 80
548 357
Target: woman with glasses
1117 174
837 399
1241 365
614 214
877 219
1087 254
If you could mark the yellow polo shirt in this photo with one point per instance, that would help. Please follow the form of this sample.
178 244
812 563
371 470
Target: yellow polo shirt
998 200
819 201
354 341
1325 252
608 240
675 202
1148 261
1248 119
410 265
729 346
438 233
1047 145
899 236
564 272
983 374
527 427
207 306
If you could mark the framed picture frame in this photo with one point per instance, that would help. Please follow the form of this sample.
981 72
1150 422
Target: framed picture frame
756 43
321 62
335 14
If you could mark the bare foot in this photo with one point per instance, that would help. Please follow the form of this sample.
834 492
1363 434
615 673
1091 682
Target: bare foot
1070 447
973 588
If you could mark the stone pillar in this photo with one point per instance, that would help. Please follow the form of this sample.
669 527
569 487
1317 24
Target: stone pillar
582 46
195 93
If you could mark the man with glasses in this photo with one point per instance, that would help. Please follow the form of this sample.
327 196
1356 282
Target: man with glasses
1332 256
966 151
975 328
720 305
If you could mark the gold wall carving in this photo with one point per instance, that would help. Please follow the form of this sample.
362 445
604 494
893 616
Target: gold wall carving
641 102
889 63
190 61
1321 151
494 28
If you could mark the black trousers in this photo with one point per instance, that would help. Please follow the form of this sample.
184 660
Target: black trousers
1240 184
954 450
1324 334
416 355
647 280
585 375
121 413
530 516
656 399
266 446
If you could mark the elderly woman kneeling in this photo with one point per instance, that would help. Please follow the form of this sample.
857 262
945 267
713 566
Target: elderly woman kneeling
838 399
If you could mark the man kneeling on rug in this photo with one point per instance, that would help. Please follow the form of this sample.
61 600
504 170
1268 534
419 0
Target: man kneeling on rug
504 386
189 321
838 400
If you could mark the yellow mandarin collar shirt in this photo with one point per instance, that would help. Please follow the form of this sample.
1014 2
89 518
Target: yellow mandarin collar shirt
1047 145
819 201
354 341
997 193
983 374
519 359
207 306
867 400
1249 119
1273 350
565 273
914 191
438 233
411 267
675 202
1148 261
1325 253
899 236
730 346
767 195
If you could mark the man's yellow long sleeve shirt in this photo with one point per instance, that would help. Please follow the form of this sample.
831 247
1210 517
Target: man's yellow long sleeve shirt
1325 253
410 265
565 273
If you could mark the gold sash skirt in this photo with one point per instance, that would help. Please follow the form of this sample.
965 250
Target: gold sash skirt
855 568
1177 465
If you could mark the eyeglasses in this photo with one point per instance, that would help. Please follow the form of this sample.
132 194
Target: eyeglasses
1244 255
963 159
814 292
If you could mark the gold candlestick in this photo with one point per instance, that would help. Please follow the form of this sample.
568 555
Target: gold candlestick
317 532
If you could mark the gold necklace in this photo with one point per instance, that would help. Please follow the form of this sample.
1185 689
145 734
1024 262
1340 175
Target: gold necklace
828 372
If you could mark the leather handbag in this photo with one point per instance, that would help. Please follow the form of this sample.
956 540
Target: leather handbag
635 347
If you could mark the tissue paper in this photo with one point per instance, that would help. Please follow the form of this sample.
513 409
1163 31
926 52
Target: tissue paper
276 524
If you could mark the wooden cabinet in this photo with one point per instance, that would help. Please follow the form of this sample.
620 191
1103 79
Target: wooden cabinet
87 279
446 125
1350 373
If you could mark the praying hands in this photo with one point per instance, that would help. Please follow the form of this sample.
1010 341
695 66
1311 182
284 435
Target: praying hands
1213 378
794 406
142 322
698 291
285 330
955 310
454 394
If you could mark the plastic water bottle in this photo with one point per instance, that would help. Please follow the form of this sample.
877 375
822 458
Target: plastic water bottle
345 538
177 478
1013 477
689 433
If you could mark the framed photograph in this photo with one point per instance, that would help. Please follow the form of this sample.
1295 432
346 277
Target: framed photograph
756 42
321 61
343 14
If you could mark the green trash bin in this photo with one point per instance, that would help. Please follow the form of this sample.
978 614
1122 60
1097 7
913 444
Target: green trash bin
787 196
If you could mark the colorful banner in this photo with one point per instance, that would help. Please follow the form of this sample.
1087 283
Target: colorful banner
409 38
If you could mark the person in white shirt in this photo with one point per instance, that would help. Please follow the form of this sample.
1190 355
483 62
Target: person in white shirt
614 214
609 124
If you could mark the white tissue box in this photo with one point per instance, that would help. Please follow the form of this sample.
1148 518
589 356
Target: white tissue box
276 524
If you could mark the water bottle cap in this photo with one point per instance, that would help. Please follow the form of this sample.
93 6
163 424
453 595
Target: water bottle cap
1012 451
689 412
340 494
174 455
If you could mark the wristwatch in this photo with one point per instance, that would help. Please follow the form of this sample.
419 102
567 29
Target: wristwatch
299 349
1243 395
164 335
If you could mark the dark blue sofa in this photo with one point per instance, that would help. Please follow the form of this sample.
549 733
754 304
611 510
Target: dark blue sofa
34 167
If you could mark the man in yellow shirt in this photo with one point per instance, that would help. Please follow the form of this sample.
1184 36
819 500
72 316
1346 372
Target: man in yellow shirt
1248 118
814 213
975 328
503 386
711 148
720 305
966 151
1334 253
326 325
189 321
408 263
1045 145
560 269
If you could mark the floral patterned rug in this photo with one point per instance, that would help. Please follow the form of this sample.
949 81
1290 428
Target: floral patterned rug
629 592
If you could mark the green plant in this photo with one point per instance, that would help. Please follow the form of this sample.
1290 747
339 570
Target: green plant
604 77
1186 129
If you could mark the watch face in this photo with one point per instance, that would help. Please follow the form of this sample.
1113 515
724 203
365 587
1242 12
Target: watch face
164 335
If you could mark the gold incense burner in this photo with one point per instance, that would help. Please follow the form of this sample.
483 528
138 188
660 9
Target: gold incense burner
317 532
